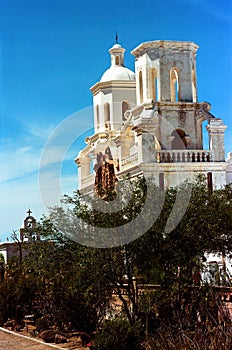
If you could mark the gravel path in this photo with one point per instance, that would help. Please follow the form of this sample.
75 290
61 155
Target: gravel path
9 341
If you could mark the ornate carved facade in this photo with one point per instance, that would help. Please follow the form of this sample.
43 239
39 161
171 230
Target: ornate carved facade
151 120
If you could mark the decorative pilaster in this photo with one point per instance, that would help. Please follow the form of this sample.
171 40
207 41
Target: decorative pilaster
83 162
216 130
146 147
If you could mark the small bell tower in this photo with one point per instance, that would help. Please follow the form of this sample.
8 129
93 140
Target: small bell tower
114 93
28 231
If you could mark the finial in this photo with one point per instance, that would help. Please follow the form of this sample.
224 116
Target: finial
29 211
116 38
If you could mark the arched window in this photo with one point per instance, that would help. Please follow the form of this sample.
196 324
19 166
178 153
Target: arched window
106 112
154 85
97 115
161 181
174 85
179 140
210 182
194 87
141 86
125 107
204 135
117 60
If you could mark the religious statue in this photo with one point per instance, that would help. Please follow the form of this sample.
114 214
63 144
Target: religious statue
105 178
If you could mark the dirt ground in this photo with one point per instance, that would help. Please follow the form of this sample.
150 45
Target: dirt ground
12 341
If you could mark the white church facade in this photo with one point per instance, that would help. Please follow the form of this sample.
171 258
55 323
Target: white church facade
151 120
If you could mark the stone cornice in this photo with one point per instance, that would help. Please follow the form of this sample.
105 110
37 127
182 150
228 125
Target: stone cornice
116 84
177 105
92 140
216 126
202 108
104 135
193 167
167 44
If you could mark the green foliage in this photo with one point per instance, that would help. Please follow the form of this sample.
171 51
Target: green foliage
68 288
41 324
154 276
118 334
16 290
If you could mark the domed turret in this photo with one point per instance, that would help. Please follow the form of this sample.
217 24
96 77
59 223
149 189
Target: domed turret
117 71
114 93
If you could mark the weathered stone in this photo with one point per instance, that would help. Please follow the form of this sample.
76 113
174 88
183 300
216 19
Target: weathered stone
48 335
59 339
85 338
157 112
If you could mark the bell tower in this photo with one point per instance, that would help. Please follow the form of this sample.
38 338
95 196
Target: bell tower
166 78
28 231
166 71
114 93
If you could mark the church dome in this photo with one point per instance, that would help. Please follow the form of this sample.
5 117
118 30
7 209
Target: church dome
116 46
118 73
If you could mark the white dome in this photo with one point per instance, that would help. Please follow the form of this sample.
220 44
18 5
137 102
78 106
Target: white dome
116 46
118 73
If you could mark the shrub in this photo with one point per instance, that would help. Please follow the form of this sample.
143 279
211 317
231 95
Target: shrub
118 334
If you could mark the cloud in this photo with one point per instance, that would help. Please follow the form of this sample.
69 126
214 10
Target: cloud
21 193
19 177
38 167
17 162
18 195
60 139
22 157
37 133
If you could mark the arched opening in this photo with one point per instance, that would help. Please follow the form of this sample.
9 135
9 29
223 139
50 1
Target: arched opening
125 107
205 135
117 60
210 182
141 86
91 165
97 115
161 181
106 112
174 85
154 85
194 86
179 139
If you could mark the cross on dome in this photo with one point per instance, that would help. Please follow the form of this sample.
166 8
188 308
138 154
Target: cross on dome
29 212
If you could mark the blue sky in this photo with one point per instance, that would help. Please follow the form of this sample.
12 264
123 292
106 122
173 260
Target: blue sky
53 51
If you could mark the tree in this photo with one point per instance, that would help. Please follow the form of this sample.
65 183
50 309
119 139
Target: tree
68 291
68 283
164 258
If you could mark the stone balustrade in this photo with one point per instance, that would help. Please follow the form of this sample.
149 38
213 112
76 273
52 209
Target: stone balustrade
171 156
183 156
161 156
129 161
87 181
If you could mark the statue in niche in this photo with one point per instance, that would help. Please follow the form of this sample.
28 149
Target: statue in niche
105 178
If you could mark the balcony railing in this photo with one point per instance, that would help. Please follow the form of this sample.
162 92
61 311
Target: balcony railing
161 156
87 181
182 156
171 156
129 161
